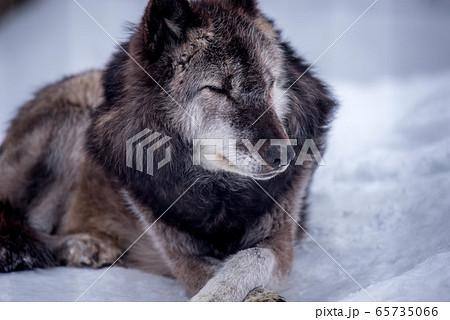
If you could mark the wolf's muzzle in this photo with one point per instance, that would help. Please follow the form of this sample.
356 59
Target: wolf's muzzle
274 156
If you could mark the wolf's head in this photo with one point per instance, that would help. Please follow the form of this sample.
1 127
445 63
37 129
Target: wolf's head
207 70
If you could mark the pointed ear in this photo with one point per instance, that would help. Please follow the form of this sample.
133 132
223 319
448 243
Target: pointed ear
249 6
164 24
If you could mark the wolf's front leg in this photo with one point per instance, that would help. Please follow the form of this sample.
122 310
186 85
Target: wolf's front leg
263 266
235 278
239 275
86 250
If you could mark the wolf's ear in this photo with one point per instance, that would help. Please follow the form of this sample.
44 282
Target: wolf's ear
164 24
249 6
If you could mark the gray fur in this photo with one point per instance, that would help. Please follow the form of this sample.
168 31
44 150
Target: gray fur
63 162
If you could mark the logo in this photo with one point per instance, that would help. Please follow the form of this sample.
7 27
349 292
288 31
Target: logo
144 154
141 149
216 149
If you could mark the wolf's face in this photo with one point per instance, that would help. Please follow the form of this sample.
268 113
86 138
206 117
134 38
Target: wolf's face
226 68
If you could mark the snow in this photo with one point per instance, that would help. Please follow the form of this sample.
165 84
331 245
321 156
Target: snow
379 207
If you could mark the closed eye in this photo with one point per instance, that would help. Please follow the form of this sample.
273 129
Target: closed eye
217 90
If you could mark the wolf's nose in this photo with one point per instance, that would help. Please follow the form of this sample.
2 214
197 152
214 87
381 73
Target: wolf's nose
277 156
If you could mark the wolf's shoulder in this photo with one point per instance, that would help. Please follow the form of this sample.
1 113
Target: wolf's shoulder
83 89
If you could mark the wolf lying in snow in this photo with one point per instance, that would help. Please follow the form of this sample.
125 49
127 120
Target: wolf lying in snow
204 69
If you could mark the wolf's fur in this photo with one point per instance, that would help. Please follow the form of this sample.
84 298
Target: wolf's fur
62 165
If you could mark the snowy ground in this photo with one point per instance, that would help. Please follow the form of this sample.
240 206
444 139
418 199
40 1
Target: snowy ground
381 204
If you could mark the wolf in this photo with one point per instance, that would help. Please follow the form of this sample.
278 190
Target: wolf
189 71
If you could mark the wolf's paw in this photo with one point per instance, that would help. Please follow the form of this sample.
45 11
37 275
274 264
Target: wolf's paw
84 250
260 294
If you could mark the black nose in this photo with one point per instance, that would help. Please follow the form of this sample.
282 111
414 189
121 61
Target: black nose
277 156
